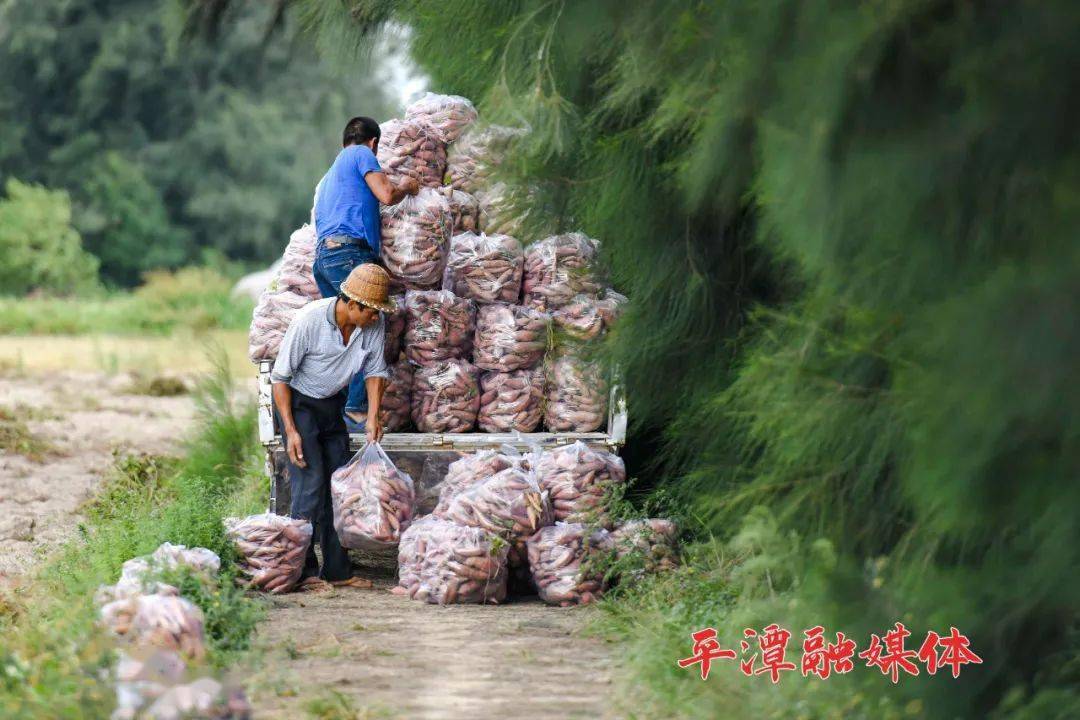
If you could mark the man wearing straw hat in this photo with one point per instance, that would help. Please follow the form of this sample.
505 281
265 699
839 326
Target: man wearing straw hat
329 342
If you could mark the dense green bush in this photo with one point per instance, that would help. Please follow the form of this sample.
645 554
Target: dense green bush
39 248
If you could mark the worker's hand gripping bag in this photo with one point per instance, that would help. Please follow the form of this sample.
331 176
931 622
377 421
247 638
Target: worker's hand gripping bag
373 500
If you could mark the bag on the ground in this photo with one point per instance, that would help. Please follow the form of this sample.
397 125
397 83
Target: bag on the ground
163 620
653 540
510 504
511 401
509 337
150 685
415 239
373 500
449 563
486 268
556 557
142 675
471 470
139 575
575 393
271 549
449 114
433 479
438 326
579 481
446 397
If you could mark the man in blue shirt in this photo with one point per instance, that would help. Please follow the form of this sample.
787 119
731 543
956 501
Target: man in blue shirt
348 225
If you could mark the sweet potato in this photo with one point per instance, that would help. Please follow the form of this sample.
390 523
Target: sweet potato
159 620
446 397
450 115
464 210
396 408
486 268
579 481
556 555
438 326
653 540
293 287
510 504
271 549
395 330
412 148
443 562
373 500
415 239
472 160
575 394
511 401
587 317
559 267
510 337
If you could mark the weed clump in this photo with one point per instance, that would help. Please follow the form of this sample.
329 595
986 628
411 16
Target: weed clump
16 437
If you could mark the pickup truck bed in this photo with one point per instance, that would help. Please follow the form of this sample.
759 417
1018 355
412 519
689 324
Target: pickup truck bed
408 450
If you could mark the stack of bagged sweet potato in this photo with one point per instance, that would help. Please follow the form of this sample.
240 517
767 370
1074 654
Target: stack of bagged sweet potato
542 517
498 333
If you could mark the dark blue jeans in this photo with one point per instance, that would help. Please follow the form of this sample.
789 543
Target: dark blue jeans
332 265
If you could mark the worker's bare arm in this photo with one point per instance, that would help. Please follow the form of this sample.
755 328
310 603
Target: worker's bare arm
385 191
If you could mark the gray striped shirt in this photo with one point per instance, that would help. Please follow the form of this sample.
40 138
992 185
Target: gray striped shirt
314 361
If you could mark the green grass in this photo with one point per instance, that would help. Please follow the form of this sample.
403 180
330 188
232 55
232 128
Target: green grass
336 705
195 299
53 655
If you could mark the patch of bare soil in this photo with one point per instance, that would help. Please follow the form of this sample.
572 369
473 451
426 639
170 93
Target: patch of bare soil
398 658
84 417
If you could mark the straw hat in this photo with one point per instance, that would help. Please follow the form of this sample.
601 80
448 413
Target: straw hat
369 284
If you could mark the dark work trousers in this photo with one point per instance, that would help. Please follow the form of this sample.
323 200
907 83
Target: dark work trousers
326 448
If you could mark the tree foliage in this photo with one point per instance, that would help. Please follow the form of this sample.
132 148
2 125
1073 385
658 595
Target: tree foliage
170 146
847 230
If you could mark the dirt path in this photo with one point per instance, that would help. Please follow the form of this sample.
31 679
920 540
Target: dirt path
398 658
85 416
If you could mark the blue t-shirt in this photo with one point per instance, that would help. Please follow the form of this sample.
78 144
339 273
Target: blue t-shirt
346 205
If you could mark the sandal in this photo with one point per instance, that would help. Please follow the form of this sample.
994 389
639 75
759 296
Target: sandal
314 585
354 582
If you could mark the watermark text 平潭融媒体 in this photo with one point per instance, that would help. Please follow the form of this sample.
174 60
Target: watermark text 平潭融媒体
822 657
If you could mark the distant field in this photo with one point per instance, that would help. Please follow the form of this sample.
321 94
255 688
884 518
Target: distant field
182 351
